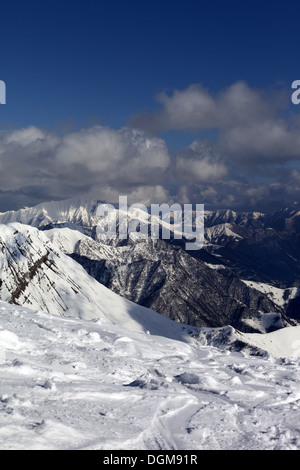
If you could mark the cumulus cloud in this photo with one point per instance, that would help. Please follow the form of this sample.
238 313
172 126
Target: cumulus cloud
272 139
200 163
125 155
237 196
196 108
35 163
250 163
248 121
143 194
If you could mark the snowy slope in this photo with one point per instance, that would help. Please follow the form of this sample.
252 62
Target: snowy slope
281 343
220 233
68 383
65 239
279 296
34 273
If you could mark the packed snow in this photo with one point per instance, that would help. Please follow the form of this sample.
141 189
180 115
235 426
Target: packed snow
69 383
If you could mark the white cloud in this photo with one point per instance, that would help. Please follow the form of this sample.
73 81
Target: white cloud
200 163
142 194
247 164
34 162
248 122
196 108
24 137
125 155
272 139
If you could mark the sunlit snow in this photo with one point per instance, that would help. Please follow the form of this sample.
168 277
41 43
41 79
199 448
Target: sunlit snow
76 384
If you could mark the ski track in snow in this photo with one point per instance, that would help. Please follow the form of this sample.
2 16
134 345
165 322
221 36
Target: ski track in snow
76 384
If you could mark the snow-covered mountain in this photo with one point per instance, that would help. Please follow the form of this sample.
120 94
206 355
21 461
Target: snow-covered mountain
168 280
35 274
228 216
190 287
259 247
265 247
75 212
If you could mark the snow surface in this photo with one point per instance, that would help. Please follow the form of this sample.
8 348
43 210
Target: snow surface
65 238
276 294
69 383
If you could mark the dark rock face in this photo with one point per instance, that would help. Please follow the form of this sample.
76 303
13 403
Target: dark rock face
170 281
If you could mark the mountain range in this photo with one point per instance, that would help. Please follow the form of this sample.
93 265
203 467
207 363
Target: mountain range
141 344
246 275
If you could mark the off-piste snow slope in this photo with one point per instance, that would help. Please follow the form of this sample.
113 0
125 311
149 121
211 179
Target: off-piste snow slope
70 383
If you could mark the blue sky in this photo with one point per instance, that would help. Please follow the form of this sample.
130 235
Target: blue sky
71 65
107 59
